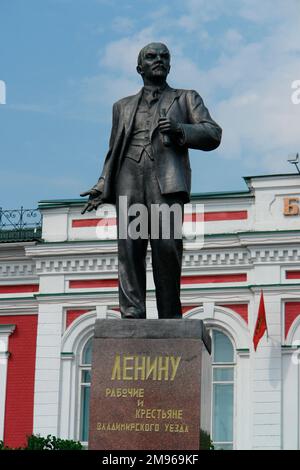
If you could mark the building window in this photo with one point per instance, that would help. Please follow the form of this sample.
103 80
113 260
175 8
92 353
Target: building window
85 388
223 363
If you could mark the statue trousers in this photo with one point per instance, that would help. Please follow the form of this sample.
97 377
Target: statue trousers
137 184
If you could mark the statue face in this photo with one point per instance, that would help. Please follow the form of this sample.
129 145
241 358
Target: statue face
155 63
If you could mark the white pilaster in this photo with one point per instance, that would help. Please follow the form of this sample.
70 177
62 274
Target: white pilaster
267 377
47 377
66 404
55 224
151 309
5 332
290 399
243 401
101 312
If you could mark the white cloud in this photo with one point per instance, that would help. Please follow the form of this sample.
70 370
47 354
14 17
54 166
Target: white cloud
118 61
122 24
104 89
122 54
258 118
248 87
202 11
232 39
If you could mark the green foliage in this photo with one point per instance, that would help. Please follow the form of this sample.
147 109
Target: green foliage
36 442
205 441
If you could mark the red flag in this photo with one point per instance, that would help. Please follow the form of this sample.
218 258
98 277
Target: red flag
261 322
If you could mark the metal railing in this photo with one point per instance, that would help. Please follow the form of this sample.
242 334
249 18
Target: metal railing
20 224
19 218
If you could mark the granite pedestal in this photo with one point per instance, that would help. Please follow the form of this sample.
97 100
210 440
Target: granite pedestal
146 383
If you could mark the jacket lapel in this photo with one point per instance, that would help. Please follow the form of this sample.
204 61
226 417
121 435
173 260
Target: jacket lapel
167 99
130 110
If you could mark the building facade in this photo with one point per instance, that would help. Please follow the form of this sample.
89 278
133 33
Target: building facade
53 286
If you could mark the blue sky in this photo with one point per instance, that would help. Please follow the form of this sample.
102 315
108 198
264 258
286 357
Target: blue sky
65 62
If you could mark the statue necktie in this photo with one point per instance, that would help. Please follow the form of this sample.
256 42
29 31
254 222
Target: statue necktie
152 96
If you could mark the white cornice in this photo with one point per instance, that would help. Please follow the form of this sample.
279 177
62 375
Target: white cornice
21 244
91 299
18 306
248 239
109 264
7 329
70 248
237 257
222 240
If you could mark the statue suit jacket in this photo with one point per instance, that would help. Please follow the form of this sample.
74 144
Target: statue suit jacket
173 171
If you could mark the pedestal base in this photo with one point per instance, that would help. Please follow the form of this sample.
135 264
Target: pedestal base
145 391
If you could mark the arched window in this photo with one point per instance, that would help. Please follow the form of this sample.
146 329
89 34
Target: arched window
85 387
223 371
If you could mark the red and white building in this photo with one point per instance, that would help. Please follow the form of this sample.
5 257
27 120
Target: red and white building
53 288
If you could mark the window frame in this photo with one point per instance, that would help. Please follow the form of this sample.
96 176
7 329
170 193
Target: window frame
81 367
223 365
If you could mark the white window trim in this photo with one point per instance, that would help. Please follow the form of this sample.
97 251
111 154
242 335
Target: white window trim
237 330
291 390
73 342
81 368
225 365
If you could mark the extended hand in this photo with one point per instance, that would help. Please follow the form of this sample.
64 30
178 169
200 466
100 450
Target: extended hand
95 199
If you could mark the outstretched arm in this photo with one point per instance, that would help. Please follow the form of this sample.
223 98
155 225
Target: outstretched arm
95 197
95 193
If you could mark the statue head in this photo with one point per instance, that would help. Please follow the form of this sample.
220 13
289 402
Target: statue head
154 63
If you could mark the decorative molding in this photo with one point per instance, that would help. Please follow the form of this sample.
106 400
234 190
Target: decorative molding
91 261
4 355
82 322
289 350
240 309
72 314
275 254
243 352
79 299
17 269
216 258
73 248
77 265
19 306
7 329
67 356
94 263
228 321
113 315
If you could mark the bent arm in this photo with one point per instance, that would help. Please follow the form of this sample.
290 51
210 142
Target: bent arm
202 132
